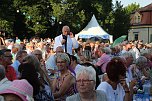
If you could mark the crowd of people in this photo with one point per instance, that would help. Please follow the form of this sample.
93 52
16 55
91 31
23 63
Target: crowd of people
66 69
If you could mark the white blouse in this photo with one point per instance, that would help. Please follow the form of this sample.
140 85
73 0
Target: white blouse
112 95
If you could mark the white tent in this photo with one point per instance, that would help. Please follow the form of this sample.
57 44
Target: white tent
93 29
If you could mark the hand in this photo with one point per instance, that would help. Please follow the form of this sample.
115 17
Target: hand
105 77
63 41
123 83
133 83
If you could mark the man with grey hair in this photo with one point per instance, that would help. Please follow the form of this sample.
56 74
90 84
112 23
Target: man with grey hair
105 57
4 82
15 49
38 53
66 40
18 60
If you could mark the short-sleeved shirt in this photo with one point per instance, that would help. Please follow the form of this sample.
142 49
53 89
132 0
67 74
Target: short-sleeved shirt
50 63
112 95
10 73
103 61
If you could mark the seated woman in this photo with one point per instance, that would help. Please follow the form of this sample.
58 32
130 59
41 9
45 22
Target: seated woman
96 72
32 59
86 82
64 85
140 70
116 87
42 92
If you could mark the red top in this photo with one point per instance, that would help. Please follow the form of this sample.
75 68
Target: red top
10 73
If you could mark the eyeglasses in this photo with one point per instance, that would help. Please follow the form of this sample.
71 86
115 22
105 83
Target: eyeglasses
84 81
61 62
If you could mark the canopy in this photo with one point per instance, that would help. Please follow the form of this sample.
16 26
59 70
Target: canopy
119 40
93 29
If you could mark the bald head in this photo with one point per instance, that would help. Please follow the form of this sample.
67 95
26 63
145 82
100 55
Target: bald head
37 53
59 49
66 30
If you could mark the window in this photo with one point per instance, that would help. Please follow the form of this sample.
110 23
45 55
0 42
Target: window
135 35
137 18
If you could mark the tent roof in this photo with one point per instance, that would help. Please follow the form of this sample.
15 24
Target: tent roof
93 29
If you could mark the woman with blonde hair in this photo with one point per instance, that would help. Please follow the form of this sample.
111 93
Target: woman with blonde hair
64 84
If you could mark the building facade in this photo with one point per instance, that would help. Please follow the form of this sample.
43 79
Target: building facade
141 24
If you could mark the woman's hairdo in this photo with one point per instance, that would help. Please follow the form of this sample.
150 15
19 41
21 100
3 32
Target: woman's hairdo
90 71
63 56
115 68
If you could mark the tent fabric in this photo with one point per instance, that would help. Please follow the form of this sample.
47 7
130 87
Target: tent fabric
119 40
93 29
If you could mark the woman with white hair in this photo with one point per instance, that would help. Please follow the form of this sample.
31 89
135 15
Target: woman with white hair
65 84
86 81
140 70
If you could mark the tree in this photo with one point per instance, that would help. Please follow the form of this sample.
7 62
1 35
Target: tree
6 15
132 7
69 13
43 16
121 21
36 14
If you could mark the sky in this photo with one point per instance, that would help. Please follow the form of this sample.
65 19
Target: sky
142 3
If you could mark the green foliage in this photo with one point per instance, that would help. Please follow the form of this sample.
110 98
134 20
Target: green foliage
121 21
6 15
39 28
6 25
7 10
132 7
41 16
